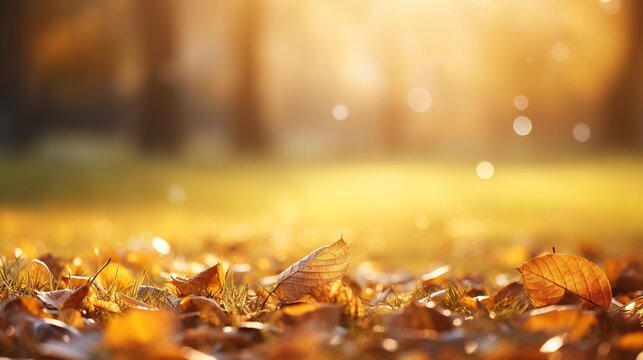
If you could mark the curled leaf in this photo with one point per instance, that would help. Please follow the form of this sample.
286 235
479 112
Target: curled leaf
323 266
547 278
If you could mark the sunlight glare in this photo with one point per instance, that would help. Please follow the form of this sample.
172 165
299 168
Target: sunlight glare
553 344
389 345
522 126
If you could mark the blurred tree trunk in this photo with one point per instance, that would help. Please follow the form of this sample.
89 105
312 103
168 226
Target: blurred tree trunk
159 128
395 111
248 126
624 110
18 127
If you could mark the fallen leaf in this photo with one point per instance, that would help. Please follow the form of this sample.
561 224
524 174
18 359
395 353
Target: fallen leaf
156 297
71 317
557 320
17 308
314 316
65 298
632 341
323 266
339 293
513 292
547 278
477 304
39 274
210 280
147 334
417 316
56 265
208 309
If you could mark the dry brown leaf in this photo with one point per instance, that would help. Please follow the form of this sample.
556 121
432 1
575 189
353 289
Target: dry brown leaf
323 266
513 292
322 318
156 297
339 293
559 320
56 265
65 298
17 308
210 280
208 309
417 316
547 278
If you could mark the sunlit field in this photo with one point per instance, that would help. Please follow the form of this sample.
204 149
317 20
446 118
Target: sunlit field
413 214
243 179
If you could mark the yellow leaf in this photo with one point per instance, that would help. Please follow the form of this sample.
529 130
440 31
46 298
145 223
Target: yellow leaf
548 277
322 266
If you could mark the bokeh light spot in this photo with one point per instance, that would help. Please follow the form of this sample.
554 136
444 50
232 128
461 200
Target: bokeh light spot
610 7
419 99
422 222
521 102
176 194
485 170
582 132
560 51
161 246
522 125
340 112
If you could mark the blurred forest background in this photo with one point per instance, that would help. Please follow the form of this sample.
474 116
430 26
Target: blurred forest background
294 121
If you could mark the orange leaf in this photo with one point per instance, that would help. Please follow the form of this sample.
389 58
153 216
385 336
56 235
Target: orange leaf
548 277
632 341
148 334
208 280
559 320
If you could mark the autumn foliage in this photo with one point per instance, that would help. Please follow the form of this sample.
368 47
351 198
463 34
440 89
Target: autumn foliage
557 306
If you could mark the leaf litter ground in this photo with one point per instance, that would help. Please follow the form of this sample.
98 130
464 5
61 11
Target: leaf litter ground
556 306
